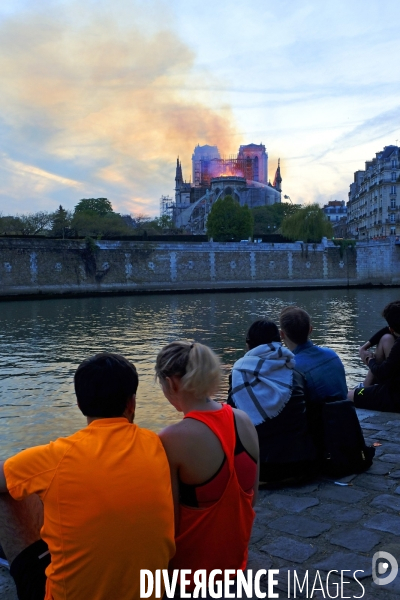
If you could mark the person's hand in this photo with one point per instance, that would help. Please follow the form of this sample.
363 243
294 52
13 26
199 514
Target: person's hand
364 347
365 355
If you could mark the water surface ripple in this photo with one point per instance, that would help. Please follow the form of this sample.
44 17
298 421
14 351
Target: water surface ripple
42 343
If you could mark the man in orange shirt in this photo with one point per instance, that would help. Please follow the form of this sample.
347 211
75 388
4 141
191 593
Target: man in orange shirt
95 507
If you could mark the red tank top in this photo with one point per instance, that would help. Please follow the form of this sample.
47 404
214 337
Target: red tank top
216 537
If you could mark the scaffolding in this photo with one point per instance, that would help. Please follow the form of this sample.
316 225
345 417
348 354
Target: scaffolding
167 205
233 166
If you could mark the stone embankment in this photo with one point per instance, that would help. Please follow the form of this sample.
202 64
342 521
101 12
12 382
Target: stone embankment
45 267
323 526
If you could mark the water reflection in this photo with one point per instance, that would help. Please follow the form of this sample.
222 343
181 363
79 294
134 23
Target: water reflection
41 344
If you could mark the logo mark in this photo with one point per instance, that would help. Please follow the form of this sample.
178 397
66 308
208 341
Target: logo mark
381 564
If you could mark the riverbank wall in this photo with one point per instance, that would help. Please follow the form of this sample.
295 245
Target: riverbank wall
46 267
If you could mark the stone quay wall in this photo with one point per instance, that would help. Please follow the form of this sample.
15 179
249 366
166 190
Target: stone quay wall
64 267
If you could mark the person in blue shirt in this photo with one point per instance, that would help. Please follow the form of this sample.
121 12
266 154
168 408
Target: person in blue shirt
321 367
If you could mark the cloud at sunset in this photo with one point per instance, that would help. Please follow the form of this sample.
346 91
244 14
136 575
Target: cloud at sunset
95 106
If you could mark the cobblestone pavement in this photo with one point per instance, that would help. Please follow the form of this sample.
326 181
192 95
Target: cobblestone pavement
323 526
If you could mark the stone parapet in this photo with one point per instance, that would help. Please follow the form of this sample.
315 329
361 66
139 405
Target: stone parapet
62 267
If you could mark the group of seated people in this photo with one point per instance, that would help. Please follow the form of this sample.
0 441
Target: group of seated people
80 517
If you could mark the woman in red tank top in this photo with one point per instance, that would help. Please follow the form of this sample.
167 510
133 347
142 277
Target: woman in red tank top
213 456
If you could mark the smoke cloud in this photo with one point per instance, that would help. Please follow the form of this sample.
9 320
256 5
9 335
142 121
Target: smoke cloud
95 105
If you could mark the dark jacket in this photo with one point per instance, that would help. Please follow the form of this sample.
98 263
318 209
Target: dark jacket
285 438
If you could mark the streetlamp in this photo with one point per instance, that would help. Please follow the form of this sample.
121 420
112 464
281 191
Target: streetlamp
288 198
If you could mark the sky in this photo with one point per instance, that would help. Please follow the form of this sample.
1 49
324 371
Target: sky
98 98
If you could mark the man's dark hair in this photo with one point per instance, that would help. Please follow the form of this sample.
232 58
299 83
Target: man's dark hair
262 331
103 385
391 313
296 323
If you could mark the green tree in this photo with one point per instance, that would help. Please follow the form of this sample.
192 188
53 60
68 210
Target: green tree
163 222
228 221
98 206
35 223
308 224
89 224
267 219
61 225
10 225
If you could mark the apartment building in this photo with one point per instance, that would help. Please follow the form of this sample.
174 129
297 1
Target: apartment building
373 209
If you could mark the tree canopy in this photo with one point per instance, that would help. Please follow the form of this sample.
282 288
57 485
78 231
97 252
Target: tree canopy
228 221
29 224
308 224
99 206
267 219
61 222
94 225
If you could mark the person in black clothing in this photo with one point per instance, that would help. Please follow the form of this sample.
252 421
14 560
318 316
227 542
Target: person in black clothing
267 386
383 340
384 394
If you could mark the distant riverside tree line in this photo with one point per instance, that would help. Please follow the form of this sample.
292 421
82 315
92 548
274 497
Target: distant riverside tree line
227 221
91 217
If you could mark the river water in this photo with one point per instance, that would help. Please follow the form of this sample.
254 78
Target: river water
42 343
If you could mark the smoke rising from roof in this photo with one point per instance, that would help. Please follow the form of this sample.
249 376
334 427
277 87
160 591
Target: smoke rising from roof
93 104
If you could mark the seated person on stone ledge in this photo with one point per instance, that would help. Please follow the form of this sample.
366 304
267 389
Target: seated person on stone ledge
266 385
383 340
384 393
321 367
80 516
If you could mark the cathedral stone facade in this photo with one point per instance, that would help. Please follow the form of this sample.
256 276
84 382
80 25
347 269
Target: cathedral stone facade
245 177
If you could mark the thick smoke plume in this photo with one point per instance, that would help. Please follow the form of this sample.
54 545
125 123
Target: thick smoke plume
95 105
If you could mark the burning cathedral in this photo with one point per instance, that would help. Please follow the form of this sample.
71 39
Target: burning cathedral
245 177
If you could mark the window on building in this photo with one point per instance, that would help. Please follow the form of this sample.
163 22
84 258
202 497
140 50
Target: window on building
393 203
393 231
394 164
392 218
393 189
393 176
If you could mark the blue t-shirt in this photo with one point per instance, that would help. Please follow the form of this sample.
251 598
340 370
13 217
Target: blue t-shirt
323 370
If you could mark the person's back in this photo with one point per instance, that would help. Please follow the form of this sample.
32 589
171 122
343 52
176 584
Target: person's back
285 438
213 456
322 368
272 392
107 500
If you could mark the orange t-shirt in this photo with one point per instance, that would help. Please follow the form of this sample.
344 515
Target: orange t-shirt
108 509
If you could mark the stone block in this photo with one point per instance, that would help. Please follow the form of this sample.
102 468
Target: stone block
342 494
292 503
337 513
343 561
258 560
378 482
383 522
289 549
378 468
391 458
301 526
387 501
356 539
257 534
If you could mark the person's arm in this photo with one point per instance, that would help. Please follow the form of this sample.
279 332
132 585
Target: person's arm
167 440
389 368
3 484
229 399
374 340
